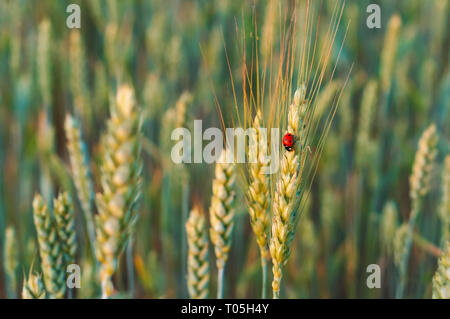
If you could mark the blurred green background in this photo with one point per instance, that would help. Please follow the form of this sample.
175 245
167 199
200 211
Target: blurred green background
167 49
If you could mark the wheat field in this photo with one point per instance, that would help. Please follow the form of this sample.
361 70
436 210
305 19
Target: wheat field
93 204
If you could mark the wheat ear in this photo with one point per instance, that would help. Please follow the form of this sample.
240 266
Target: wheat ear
11 261
388 226
50 250
33 288
120 179
81 173
198 262
284 210
444 210
65 223
258 196
441 279
419 183
221 214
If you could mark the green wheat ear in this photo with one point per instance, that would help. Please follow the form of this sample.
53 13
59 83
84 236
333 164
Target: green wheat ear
63 210
121 182
441 280
33 288
50 250
81 173
388 226
11 261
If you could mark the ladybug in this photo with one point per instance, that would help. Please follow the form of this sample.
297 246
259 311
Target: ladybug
288 142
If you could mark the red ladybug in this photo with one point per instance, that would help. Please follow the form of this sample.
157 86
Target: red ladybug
288 142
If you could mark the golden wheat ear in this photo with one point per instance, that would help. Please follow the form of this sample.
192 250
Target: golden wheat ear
198 257
221 214
284 201
441 280
121 182
258 195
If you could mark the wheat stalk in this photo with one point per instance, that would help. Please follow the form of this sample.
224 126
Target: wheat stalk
258 195
81 173
120 179
441 279
33 288
50 250
221 214
284 210
198 262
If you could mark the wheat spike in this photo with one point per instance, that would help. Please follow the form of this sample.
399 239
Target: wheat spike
50 250
198 262
399 244
441 279
258 190
81 173
33 288
66 227
389 51
120 179
419 180
221 213
78 76
419 183
444 210
44 61
258 194
11 260
284 212
365 146
388 226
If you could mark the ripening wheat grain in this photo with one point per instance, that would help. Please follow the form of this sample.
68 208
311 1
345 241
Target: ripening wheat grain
441 279
284 219
50 250
120 179
33 288
259 195
81 173
221 214
198 261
